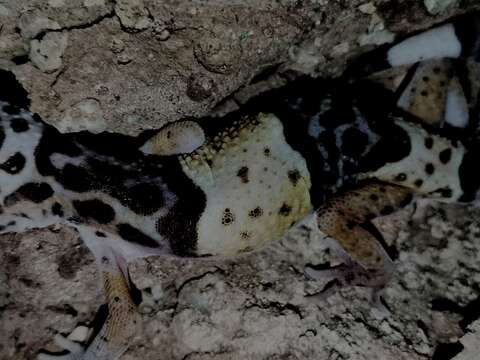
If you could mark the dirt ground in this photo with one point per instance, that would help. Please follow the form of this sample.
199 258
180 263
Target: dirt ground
131 65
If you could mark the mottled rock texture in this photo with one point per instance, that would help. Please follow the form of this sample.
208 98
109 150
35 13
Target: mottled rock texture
131 65
126 66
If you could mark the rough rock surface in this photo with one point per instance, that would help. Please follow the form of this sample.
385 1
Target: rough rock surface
255 307
130 65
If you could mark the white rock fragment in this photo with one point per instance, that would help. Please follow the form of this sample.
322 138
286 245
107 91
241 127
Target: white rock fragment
306 58
438 6
432 44
376 38
56 3
471 343
368 8
32 25
456 108
85 115
90 3
46 54
117 46
341 49
79 334
4 11
132 14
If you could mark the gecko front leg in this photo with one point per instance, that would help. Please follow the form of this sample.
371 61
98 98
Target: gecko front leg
344 218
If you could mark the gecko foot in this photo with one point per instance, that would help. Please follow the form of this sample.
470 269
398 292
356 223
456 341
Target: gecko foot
76 351
349 274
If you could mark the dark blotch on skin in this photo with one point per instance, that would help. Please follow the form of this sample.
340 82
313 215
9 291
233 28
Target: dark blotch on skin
100 234
179 225
418 183
266 151
354 142
11 109
406 200
2 136
14 164
245 235
429 169
285 210
294 176
95 209
57 209
75 178
393 146
243 174
19 125
35 192
469 174
12 91
257 212
428 142
228 218
133 235
445 156
446 192
387 210
145 199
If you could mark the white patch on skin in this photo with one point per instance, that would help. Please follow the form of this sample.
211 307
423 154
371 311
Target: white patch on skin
456 108
432 44
215 169
60 160
413 165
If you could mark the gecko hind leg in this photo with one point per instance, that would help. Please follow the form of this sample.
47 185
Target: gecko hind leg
121 324
343 218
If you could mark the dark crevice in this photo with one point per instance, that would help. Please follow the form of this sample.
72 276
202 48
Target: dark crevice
97 323
21 59
109 15
265 74
469 312
63 309
191 280
277 307
424 328
199 277
447 351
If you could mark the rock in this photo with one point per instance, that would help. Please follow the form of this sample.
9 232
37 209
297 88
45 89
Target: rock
148 53
438 6
46 54
132 14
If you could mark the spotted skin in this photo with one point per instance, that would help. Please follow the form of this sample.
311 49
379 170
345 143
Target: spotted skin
221 188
